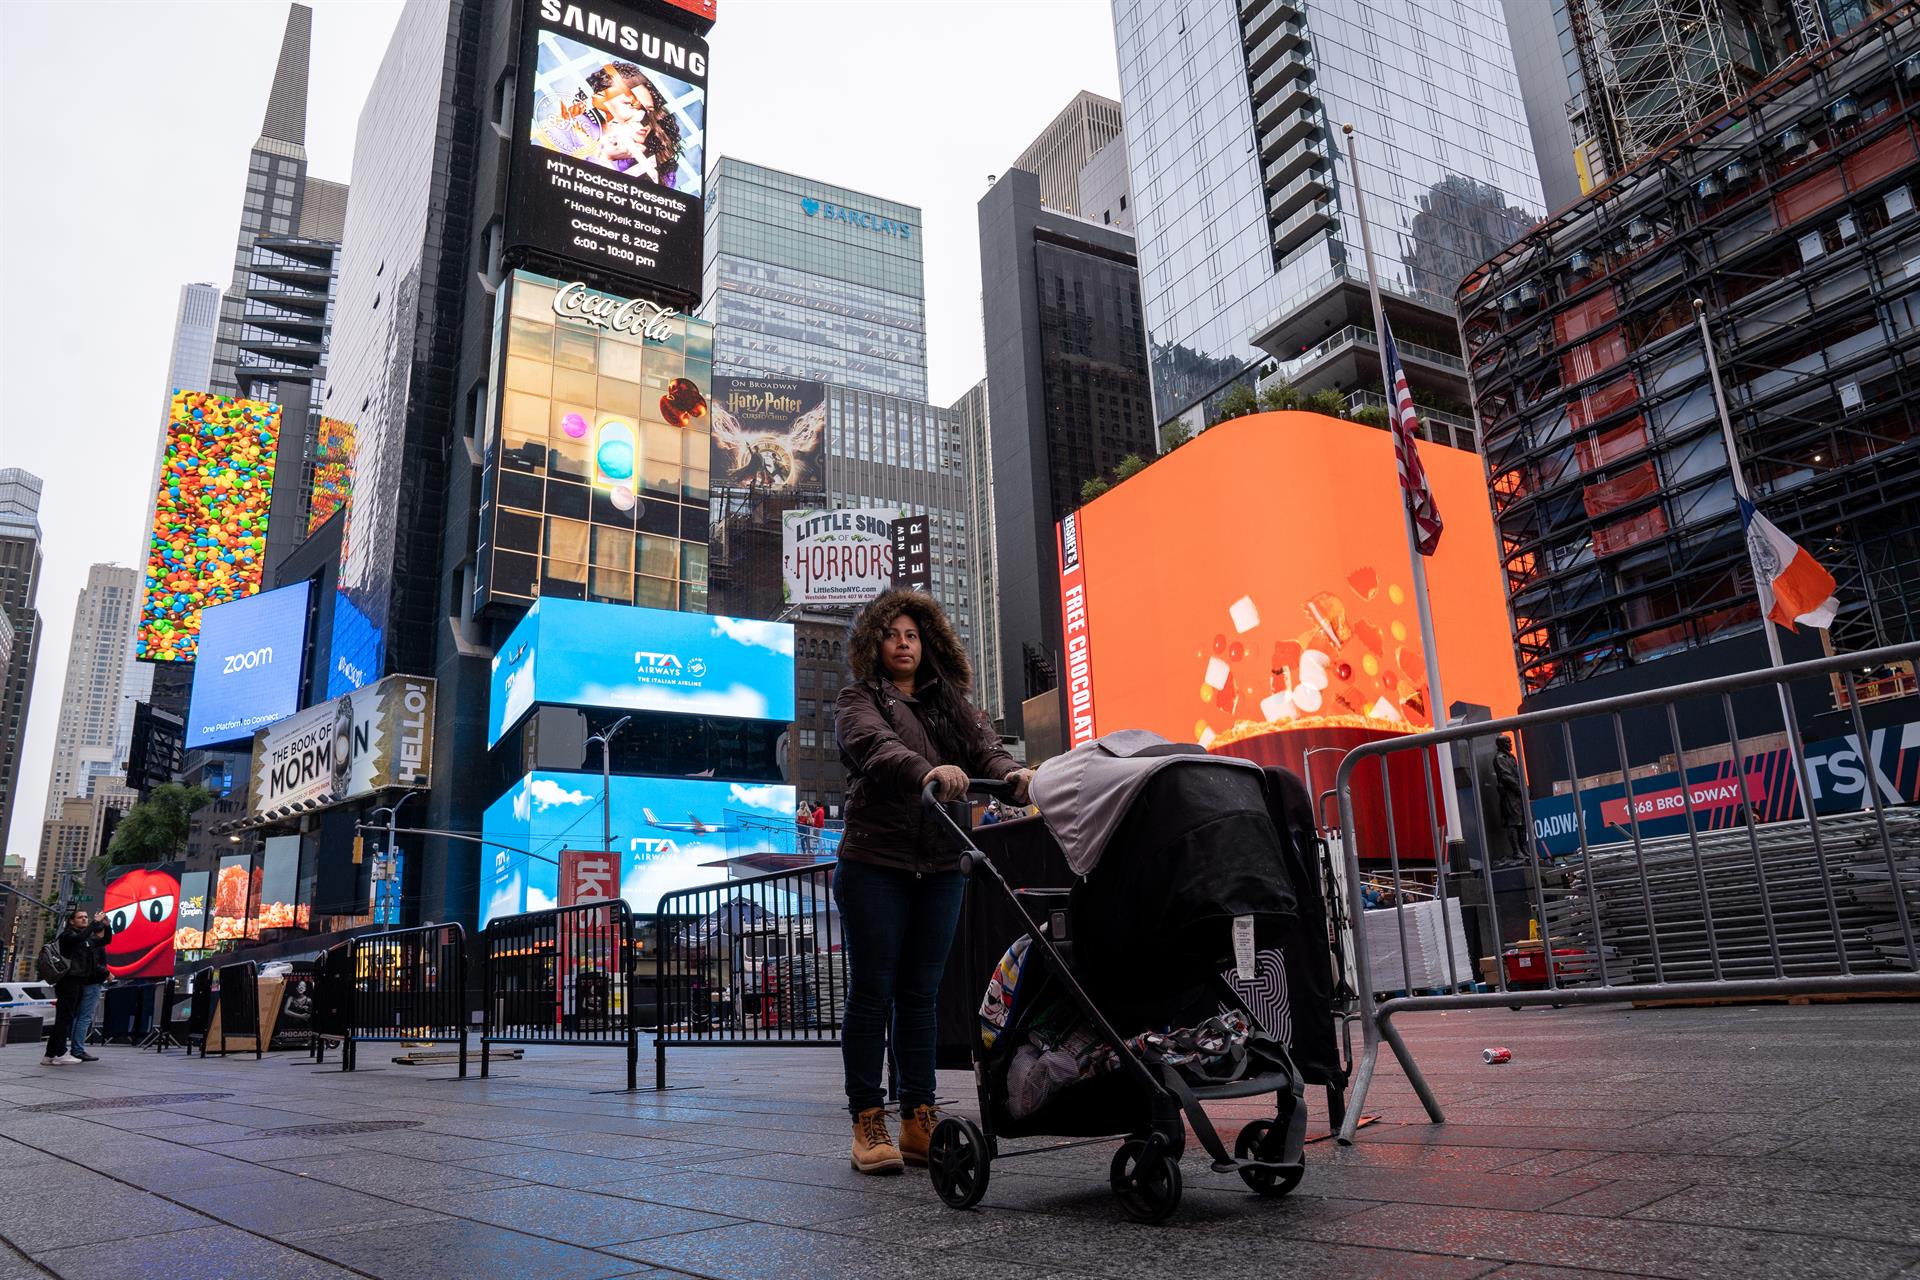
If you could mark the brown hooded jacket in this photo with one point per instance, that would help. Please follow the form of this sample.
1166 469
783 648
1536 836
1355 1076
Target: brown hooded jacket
885 742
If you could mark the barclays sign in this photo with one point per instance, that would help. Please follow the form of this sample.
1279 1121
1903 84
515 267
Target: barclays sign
840 213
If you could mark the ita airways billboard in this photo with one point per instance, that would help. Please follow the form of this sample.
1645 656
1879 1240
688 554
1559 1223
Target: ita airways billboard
208 544
769 433
626 658
252 664
609 157
668 834
352 746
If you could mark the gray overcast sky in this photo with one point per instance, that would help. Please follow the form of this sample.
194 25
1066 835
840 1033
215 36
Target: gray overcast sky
917 100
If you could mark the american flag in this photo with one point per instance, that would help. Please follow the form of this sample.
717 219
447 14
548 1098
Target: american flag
1413 477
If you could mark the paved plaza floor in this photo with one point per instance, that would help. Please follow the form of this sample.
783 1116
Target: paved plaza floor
1743 1142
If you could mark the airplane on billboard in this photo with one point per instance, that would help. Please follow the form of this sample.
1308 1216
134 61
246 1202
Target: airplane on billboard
692 825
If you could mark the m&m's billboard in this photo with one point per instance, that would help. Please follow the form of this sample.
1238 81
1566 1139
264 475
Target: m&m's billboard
209 537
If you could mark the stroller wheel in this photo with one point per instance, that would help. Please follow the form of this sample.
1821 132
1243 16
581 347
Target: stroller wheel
1259 1141
1145 1180
958 1161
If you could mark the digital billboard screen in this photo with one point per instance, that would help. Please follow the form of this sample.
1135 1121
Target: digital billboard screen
667 834
1287 604
769 433
143 905
251 667
208 544
332 471
595 485
609 163
576 653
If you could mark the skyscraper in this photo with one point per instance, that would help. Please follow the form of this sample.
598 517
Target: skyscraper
1067 394
276 174
975 425
1248 242
87 740
19 584
1064 147
811 280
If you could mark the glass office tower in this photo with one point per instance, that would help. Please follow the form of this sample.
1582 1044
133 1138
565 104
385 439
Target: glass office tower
1247 239
812 280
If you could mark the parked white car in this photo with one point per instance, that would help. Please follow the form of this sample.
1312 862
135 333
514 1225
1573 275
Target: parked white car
34 998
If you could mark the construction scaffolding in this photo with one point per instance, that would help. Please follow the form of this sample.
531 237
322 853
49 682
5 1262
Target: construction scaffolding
1793 216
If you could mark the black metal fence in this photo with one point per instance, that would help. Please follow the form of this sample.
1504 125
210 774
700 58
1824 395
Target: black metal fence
562 977
760 961
407 985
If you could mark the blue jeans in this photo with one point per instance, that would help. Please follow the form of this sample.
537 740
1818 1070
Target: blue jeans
83 1016
898 929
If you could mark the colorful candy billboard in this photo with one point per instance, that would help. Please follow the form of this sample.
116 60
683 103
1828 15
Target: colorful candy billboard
209 537
332 471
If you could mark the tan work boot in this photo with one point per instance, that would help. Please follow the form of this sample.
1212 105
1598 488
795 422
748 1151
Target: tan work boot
873 1149
916 1133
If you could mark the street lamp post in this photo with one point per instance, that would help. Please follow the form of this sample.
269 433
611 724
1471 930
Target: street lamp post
605 739
391 866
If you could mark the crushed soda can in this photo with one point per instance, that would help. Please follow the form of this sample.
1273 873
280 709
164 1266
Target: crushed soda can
1494 1057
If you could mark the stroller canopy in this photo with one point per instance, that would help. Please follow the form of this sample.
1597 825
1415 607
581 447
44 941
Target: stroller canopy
1086 794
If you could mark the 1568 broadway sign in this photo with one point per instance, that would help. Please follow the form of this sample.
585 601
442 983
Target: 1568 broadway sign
374 738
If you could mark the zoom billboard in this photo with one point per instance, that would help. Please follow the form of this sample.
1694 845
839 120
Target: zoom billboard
613 656
609 153
252 660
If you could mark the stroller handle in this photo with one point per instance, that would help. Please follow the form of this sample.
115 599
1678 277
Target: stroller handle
993 788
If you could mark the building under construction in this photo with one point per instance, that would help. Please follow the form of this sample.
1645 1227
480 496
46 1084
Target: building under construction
1791 215
1642 72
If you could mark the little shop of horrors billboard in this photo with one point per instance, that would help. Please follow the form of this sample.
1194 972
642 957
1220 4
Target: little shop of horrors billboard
1845 779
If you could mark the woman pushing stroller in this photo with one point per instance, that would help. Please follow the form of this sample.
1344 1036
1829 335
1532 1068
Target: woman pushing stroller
903 724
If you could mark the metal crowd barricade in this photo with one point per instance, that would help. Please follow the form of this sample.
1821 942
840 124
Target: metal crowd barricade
239 1001
759 961
333 987
199 1010
561 977
409 985
1774 882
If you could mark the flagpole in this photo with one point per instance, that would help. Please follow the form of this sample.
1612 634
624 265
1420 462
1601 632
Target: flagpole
1761 590
1436 701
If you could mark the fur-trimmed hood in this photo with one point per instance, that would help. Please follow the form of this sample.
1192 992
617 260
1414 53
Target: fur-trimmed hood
937 638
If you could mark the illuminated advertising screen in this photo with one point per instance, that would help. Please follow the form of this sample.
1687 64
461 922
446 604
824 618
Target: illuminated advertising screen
280 906
190 933
236 888
142 904
208 544
565 652
1285 601
610 157
769 433
595 485
332 471
252 661
667 834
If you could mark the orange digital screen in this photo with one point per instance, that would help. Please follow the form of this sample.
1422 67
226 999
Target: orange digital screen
1257 579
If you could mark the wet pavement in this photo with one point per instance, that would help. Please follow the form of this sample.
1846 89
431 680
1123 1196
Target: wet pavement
1740 1142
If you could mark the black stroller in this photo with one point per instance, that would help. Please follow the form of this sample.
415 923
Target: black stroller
1155 937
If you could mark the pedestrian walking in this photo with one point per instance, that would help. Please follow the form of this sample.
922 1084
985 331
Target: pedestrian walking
902 724
93 974
70 945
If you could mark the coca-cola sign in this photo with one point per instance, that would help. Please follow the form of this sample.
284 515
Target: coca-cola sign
648 321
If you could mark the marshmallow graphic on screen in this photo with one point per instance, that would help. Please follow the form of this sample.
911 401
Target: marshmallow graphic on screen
1384 710
1313 675
1278 706
1217 673
1307 698
1206 737
1245 616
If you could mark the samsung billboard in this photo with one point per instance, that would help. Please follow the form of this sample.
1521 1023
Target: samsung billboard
609 157
627 658
252 663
